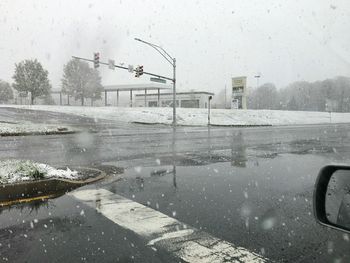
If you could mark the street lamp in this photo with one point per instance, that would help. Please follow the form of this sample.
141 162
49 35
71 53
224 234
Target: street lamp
172 62
257 79
209 99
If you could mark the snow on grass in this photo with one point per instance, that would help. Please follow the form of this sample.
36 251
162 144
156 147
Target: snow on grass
23 128
225 117
14 171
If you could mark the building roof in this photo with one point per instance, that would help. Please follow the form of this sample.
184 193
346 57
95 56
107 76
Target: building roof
140 87
128 87
178 93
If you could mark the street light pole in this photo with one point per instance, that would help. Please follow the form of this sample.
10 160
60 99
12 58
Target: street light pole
172 62
209 99
174 92
257 80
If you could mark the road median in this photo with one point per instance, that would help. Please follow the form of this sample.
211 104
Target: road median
27 128
29 191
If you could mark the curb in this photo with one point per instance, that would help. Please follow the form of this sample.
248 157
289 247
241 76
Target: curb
242 125
44 189
7 134
150 123
206 125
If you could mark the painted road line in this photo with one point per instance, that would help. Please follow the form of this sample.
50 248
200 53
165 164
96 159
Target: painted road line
163 232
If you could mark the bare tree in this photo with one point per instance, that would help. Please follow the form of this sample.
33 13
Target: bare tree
303 95
81 81
6 92
264 97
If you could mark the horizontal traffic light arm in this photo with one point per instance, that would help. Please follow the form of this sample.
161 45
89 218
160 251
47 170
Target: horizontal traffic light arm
126 68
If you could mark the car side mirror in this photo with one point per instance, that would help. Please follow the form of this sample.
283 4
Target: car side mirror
332 197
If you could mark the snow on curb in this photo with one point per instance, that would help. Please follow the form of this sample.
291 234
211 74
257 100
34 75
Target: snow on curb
197 117
27 128
14 171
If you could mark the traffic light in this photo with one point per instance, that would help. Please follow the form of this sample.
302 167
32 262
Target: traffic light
96 60
139 71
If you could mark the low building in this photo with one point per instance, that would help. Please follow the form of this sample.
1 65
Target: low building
193 99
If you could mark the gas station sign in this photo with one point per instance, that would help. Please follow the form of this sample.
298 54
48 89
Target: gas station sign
238 99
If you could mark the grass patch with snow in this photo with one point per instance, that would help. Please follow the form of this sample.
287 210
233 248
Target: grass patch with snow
14 171
27 128
198 117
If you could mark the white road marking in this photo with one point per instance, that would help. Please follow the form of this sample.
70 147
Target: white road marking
162 231
180 233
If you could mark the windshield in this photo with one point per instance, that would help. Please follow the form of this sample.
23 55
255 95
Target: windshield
171 131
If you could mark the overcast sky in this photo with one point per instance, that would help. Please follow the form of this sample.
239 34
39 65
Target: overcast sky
284 40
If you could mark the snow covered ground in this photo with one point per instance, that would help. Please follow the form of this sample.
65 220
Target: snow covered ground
23 128
14 171
198 116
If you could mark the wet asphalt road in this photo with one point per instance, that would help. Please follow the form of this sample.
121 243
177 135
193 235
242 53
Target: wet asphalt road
249 186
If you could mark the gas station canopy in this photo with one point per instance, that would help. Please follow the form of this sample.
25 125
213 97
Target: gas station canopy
136 87
133 87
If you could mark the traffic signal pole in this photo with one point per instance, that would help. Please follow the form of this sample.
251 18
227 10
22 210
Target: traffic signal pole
172 61
139 70
125 68
174 92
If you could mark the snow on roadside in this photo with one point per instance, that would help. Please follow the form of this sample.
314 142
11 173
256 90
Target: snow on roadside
225 117
30 128
14 171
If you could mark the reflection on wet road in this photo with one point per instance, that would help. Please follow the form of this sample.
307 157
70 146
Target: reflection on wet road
265 206
251 187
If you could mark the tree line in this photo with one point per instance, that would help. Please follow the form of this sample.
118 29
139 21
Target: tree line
327 95
78 81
